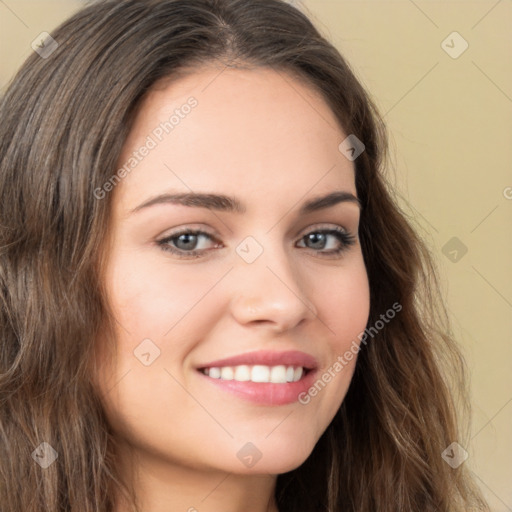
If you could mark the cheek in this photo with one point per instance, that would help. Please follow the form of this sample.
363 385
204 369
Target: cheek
149 300
346 305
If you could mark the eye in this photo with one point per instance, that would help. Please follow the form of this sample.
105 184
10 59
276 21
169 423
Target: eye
319 239
184 244
183 241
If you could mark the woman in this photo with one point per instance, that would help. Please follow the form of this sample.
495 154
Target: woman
295 360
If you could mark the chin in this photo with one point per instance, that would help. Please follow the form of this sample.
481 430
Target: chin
271 467
278 455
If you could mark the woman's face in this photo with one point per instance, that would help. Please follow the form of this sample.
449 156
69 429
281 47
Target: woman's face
265 286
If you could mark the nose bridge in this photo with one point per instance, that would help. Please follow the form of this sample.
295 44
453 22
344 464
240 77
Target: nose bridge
269 288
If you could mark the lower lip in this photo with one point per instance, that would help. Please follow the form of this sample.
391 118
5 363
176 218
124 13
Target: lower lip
265 393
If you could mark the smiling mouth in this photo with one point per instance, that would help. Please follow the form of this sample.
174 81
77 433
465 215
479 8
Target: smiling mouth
279 374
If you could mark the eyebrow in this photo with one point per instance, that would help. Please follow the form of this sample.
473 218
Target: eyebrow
225 203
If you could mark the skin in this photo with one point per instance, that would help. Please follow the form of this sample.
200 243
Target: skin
271 141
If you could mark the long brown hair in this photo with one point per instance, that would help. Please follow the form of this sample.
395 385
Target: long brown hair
64 119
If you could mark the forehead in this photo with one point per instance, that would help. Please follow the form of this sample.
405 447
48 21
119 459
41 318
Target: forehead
249 130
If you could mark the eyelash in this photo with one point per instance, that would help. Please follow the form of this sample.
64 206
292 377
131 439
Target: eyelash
346 239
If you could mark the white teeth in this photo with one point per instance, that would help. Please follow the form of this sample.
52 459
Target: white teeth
242 373
278 374
226 373
215 373
258 373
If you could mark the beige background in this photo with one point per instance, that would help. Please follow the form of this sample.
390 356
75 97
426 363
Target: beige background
450 121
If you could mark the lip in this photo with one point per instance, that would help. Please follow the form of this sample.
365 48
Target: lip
265 393
267 358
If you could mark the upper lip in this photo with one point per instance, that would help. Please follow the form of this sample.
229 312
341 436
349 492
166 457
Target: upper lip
267 358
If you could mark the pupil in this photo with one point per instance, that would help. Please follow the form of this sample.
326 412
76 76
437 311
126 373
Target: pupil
315 237
188 238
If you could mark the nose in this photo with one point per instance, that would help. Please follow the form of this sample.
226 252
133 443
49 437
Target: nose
270 291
